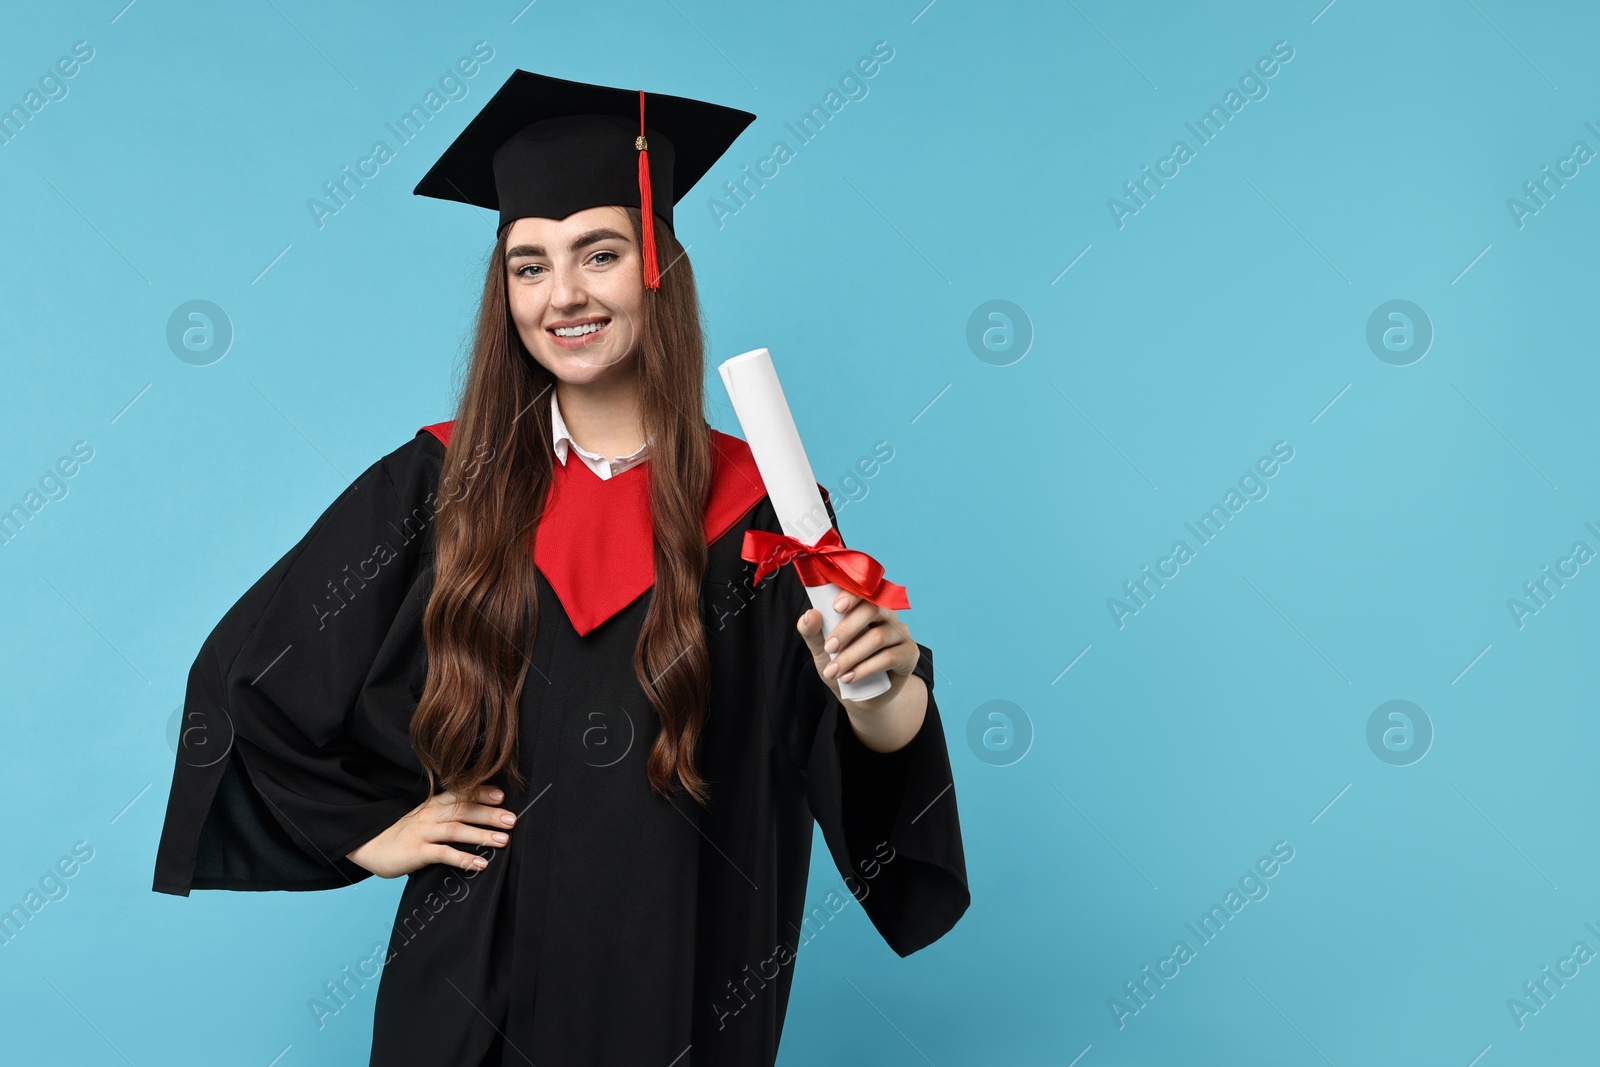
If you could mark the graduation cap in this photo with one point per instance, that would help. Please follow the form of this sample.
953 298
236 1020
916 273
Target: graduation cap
547 147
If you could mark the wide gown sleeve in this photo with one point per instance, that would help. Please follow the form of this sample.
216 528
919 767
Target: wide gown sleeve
889 819
284 761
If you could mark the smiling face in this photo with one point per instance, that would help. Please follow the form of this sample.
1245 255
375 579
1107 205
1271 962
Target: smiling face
576 292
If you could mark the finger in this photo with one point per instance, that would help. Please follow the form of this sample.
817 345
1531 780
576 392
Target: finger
878 661
862 619
875 638
454 805
454 857
499 818
810 627
857 619
472 835
480 814
446 803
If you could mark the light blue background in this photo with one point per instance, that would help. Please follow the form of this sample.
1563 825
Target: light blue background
1225 316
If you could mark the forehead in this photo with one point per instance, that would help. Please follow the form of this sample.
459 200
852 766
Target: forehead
534 229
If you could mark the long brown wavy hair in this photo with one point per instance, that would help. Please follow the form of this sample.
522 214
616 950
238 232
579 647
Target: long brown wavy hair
483 610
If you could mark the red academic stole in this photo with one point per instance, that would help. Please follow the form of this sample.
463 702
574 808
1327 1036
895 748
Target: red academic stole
595 545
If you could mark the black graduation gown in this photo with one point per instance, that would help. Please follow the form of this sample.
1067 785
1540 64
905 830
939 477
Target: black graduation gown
616 927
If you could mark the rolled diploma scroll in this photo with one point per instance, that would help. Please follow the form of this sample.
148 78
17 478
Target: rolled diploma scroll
752 384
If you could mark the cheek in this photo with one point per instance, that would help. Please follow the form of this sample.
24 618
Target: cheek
527 308
526 305
623 292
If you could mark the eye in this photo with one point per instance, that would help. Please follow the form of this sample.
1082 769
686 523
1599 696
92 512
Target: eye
522 270
596 258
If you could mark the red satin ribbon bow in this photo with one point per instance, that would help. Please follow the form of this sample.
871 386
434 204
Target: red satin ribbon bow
826 561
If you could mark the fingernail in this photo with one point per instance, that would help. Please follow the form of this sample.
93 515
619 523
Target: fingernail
831 644
480 863
500 839
497 796
838 605
848 677
829 671
509 819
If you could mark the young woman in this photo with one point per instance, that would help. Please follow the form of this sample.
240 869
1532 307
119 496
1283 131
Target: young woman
540 683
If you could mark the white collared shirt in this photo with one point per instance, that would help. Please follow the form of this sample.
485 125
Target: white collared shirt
602 466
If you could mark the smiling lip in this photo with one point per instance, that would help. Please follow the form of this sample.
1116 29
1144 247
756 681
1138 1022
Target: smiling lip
583 340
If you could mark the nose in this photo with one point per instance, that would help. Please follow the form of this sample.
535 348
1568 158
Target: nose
567 291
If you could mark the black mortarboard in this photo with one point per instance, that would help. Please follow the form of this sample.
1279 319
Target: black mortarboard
547 147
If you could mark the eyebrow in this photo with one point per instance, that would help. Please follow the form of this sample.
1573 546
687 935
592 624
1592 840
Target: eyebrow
581 241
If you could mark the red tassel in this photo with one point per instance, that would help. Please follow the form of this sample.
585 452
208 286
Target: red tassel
647 219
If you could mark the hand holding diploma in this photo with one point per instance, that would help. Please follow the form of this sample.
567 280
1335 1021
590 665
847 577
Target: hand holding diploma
868 639
866 657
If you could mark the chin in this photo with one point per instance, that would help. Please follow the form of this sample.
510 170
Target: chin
582 368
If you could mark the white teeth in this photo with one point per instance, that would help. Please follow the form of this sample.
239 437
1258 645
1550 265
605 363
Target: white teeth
577 331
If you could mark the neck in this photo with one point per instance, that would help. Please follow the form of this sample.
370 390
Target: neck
603 416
